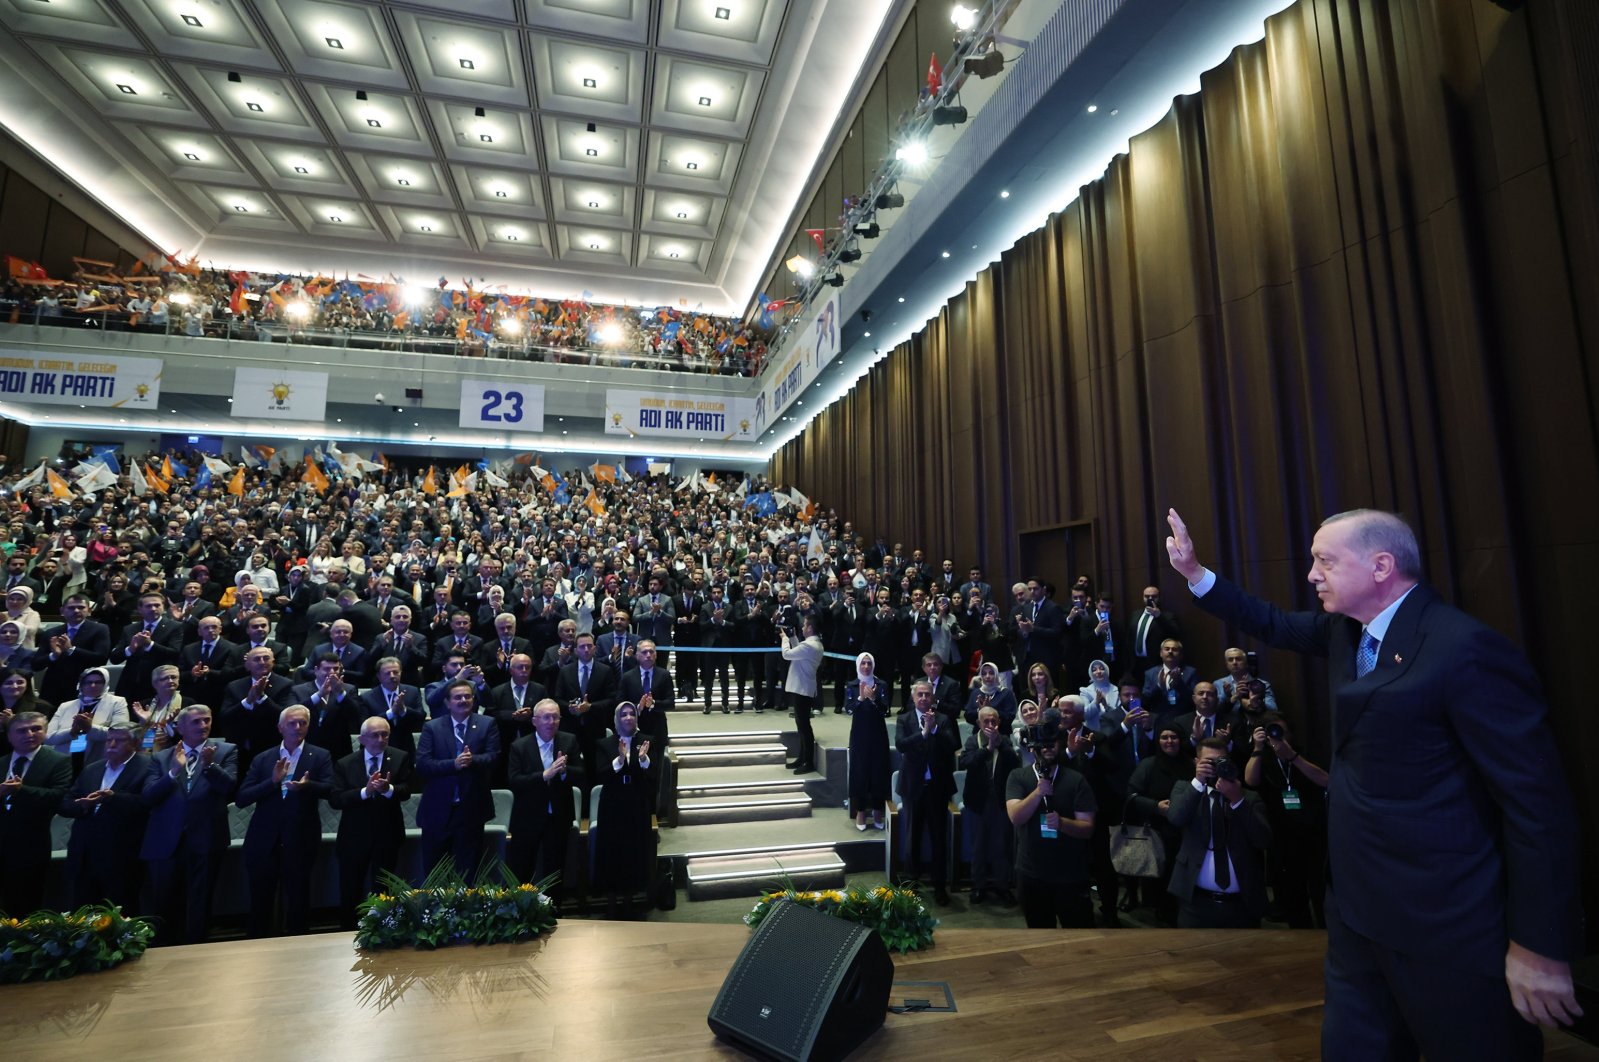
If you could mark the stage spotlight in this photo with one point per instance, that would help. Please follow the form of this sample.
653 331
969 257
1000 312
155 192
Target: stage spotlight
963 17
868 231
850 254
801 265
912 154
397 409
986 65
836 280
890 201
951 115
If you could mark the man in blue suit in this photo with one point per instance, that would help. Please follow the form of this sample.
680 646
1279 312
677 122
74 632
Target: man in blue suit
286 785
187 834
1452 899
455 759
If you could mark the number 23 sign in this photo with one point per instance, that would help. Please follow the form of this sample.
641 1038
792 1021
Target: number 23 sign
501 405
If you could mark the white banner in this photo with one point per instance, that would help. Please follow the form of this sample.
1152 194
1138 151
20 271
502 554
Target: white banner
502 405
81 380
814 344
672 415
280 394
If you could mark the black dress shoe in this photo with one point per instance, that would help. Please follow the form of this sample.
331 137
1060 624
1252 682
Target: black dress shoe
708 709
804 768
977 896
838 711
1127 903
941 894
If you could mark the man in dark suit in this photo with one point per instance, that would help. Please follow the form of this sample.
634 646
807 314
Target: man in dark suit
1102 636
256 637
107 803
649 680
335 710
362 616
512 702
236 617
686 631
557 656
72 648
36 778
145 645
545 766
928 744
460 637
586 690
1169 686
369 787
250 706
385 598
404 645
539 618
190 609
342 647
455 759
293 603
399 705
287 786
494 657
1039 625
187 834
716 633
617 645
206 667
1153 625
1219 874
1453 900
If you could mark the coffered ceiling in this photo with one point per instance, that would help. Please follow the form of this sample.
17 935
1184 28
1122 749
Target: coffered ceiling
645 150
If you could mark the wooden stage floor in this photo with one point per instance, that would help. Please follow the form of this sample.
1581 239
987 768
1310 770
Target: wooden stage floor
596 990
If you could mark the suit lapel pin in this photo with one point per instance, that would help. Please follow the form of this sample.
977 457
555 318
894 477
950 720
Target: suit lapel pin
1398 659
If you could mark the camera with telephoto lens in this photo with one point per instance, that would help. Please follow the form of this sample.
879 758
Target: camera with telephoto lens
1275 732
1226 770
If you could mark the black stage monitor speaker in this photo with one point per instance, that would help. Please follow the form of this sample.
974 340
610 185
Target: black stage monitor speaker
806 986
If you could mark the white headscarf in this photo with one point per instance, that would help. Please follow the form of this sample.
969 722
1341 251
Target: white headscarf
988 678
859 660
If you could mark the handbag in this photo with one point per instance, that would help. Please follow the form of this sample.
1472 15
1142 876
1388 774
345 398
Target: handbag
1137 851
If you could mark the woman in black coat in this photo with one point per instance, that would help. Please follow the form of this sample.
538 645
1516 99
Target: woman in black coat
1149 795
868 702
624 841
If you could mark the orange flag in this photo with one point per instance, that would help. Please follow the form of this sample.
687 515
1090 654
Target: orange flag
593 503
314 475
236 484
430 485
153 477
166 469
58 486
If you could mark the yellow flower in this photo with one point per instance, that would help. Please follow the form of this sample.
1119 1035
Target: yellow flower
524 888
102 922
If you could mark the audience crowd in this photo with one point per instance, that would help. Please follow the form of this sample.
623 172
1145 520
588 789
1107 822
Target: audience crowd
167 655
391 315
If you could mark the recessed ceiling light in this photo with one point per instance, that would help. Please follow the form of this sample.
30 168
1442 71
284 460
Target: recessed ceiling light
513 237
868 335
334 42
127 88
594 247
374 123
723 13
691 166
591 152
589 82
675 254
241 208
1093 108
945 254
301 169
193 20
467 64
594 204
335 219
705 101
682 213
254 106
1004 195
502 193
402 182
360 94
486 138
191 156
426 228
902 298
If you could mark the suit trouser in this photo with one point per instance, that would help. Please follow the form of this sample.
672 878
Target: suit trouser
1105 878
532 859
358 878
931 813
1384 1005
1202 912
181 887
285 866
23 870
992 844
769 691
802 722
100 880
688 673
714 665
1047 904
459 839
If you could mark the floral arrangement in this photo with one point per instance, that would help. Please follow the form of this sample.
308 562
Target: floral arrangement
898 914
446 910
52 945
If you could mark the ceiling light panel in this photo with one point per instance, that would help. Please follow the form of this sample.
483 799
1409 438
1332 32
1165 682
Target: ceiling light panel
257 104
393 179
326 216
434 229
128 87
611 19
691 164
588 80
698 97
84 21
671 252
746 35
518 239
170 149
610 152
587 202
460 59
237 206
499 191
296 168
593 244
398 121
501 137
679 214
214 30
327 38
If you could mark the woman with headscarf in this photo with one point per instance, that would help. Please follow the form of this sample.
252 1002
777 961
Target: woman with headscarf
1099 695
13 656
19 610
624 844
79 726
262 575
986 692
1148 797
868 701
158 723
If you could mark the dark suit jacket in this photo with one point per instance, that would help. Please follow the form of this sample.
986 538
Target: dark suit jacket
442 647
376 824
199 814
488 658
211 689
603 695
412 716
986 770
91 648
918 754
295 820
411 651
1450 825
25 829
252 729
357 663
502 705
1248 834
333 726
543 805
435 768
165 645
1160 702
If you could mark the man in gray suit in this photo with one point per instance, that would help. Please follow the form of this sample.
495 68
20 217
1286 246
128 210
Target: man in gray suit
187 834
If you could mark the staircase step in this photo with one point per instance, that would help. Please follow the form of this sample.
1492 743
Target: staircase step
752 873
696 739
725 755
691 788
758 808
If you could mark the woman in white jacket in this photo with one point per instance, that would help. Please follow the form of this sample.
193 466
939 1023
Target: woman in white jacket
80 725
804 657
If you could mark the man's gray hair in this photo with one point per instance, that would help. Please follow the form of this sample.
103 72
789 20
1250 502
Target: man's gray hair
1377 531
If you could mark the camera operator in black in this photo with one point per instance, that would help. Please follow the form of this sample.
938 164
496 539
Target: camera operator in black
1052 808
1294 791
1218 879
1098 765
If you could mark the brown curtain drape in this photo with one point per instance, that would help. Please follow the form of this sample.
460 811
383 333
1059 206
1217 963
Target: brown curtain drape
1358 268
